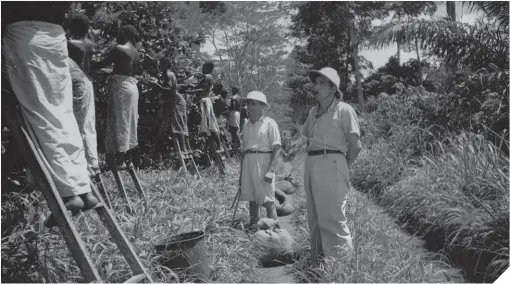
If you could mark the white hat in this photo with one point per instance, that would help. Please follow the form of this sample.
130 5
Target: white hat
257 96
327 72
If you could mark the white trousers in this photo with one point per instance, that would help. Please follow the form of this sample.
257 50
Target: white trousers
326 186
37 64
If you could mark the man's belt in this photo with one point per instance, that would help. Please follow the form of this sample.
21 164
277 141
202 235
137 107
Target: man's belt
258 152
322 152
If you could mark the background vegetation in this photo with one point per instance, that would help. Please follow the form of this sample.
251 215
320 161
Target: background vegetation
435 138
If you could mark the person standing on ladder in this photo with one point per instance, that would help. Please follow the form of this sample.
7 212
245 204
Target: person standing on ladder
37 62
80 54
122 118
333 134
260 154
209 124
175 115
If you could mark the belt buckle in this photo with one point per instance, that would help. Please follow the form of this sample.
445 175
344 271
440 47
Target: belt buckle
325 156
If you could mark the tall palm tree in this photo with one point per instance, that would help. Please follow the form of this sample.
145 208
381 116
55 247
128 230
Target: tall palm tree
480 45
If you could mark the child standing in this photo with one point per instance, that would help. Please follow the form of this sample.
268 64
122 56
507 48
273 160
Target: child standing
260 149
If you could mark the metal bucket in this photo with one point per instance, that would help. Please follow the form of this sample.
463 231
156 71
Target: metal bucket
186 254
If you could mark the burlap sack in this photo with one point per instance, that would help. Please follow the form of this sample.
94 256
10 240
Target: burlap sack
266 224
283 204
285 186
271 246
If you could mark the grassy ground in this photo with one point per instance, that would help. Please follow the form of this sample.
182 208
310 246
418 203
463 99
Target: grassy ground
174 207
383 252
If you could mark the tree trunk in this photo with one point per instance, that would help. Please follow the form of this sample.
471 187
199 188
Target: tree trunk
452 15
398 51
450 10
398 44
357 72
420 72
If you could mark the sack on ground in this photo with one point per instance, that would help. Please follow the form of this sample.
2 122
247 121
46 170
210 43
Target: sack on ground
285 186
272 245
283 204
267 223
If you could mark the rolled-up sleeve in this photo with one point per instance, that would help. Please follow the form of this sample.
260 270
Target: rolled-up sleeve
349 120
274 134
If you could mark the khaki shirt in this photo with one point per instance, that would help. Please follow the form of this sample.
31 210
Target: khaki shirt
330 131
262 135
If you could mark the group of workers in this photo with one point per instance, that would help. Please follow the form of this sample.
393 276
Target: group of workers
49 75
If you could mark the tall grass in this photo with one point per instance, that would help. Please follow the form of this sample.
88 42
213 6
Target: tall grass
459 200
175 205
383 252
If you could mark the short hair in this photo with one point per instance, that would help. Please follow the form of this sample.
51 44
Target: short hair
208 67
224 92
235 90
79 25
218 85
130 33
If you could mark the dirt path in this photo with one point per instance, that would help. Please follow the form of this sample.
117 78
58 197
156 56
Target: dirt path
280 274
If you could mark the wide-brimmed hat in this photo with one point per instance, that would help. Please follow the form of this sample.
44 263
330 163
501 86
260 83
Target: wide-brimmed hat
257 96
327 72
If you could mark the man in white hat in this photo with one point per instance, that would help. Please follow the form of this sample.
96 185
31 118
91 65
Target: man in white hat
261 146
333 133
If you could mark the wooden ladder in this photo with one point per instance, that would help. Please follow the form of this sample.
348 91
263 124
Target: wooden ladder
187 157
38 165
122 187
214 154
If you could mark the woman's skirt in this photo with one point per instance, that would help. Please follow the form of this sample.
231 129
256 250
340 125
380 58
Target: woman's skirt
122 116
85 113
38 67
179 116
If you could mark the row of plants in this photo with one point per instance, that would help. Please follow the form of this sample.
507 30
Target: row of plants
449 187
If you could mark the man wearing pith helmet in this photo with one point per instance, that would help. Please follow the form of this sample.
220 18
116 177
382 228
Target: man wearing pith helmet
333 136
261 146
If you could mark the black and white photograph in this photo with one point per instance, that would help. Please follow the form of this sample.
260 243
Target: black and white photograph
255 141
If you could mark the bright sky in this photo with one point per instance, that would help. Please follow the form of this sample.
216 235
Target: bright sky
380 57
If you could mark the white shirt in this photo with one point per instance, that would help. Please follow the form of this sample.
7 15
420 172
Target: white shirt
330 131
262 135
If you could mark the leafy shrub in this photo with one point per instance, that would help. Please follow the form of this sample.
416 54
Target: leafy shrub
19 237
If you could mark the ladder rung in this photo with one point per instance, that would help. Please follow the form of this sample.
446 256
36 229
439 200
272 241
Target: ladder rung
136 278
99 205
